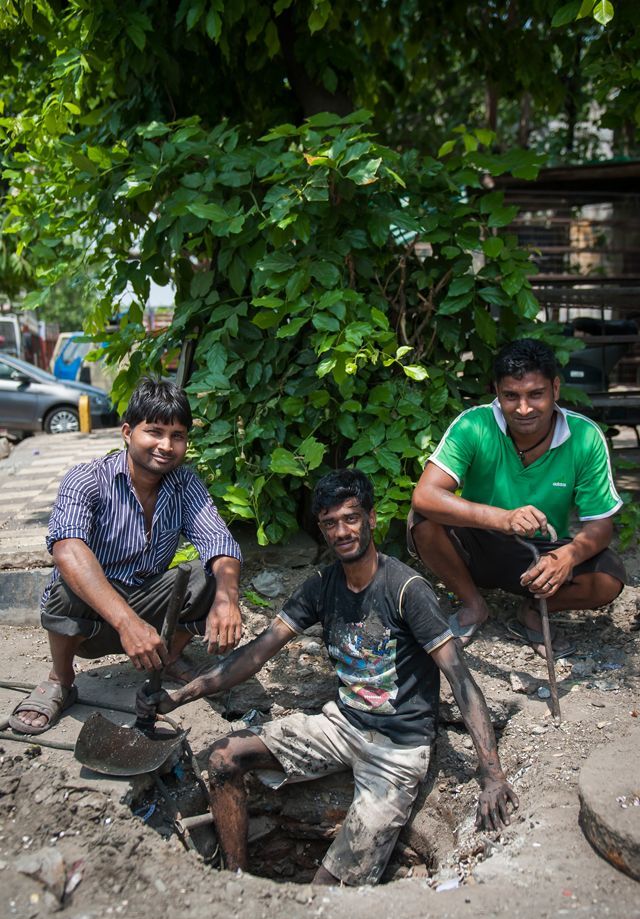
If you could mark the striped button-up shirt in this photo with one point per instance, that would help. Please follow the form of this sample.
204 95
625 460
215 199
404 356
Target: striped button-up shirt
97 504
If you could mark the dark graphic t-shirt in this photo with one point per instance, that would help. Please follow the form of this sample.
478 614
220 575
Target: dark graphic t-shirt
387 681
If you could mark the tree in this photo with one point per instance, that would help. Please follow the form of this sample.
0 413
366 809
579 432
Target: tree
343 295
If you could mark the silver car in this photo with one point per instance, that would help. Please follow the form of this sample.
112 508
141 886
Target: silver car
34 400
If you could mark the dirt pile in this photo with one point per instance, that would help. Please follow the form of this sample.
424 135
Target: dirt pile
67 848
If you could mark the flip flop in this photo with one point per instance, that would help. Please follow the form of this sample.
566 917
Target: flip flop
532 637
48 698
463 632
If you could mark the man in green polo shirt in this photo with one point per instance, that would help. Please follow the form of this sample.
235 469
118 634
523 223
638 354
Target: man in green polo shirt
522 464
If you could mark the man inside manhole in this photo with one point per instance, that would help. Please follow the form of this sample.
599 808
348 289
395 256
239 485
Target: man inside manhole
388 641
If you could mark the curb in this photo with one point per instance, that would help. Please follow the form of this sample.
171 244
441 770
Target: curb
20 593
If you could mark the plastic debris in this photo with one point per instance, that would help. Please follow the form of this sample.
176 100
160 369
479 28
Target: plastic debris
145 813
75 876
449 884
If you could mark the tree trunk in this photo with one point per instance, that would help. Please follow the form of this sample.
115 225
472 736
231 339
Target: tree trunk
313 97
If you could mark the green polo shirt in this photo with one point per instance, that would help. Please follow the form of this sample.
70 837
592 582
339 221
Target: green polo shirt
575 471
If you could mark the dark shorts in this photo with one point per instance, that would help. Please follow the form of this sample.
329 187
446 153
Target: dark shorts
66 614
497 560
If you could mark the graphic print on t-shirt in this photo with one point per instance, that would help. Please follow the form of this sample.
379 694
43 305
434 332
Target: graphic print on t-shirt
366 668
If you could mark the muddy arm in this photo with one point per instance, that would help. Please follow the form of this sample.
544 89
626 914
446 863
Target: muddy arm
236 668
496 793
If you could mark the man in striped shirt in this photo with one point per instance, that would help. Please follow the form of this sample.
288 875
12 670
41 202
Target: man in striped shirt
522 465
113 532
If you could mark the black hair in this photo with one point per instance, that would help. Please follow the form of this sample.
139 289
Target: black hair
160 401
340 485
526 355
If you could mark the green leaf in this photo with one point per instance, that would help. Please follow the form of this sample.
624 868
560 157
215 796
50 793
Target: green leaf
415 372
365 173
452 305
292 327
566 13
527 302
446 147
318 17
312 452
512 283
438 399
503 216
493 246
284 462
485 326
277 262
603 12
208 211
325 273
461 285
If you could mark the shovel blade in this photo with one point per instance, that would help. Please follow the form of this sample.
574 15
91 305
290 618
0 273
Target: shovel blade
113 749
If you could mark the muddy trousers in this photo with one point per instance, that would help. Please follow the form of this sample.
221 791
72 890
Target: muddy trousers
386 778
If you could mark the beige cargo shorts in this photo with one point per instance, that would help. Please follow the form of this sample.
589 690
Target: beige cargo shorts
386 776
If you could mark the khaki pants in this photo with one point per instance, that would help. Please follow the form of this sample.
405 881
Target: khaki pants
386 778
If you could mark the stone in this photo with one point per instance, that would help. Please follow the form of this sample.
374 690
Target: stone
523 683
269 583
609 780
48 867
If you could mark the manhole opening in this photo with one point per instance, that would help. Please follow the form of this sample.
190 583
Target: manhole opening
290 830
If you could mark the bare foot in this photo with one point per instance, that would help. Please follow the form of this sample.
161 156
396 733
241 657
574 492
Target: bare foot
474 613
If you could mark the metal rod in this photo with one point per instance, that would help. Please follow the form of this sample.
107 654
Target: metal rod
174 607
91 703
176 816
546 634
36 741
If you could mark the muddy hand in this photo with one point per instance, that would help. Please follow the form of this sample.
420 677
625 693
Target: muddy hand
155 703
494 802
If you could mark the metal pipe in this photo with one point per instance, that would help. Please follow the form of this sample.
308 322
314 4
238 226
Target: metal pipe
91 703
546 633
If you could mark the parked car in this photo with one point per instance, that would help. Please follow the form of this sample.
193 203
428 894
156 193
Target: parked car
68 361
33 400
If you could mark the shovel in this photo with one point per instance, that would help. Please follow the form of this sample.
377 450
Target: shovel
546 632
113 749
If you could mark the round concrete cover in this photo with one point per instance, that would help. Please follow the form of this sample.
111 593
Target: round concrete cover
609 795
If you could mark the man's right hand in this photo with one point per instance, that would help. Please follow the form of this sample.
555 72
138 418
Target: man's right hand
524 521
155 703
144 647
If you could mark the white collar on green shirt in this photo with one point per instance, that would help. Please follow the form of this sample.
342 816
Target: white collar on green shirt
560 434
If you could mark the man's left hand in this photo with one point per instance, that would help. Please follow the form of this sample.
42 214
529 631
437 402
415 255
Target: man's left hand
547 577
224 626
493 804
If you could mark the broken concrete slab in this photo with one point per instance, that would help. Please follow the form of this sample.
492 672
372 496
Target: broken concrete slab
20 593
609 793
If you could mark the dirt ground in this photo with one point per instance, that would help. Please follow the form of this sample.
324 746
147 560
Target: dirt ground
70 846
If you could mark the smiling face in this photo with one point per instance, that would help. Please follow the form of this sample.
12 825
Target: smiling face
155 447
528 403
347 529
